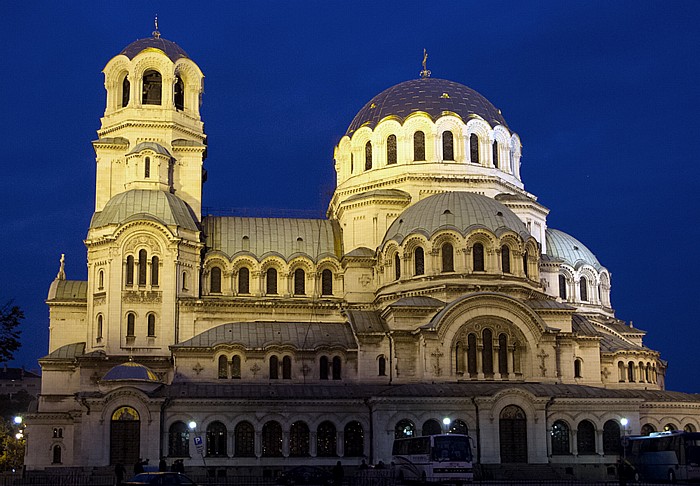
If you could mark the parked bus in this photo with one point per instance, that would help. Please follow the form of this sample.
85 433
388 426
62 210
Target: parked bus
444 458
669 456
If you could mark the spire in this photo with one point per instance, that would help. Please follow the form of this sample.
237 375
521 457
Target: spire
425 73
156 33
62 270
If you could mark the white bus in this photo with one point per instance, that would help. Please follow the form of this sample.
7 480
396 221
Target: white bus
669 456
445 458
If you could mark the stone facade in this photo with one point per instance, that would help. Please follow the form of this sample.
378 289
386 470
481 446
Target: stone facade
434 289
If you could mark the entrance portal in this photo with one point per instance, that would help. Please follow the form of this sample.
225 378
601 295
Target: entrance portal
513 434
125 437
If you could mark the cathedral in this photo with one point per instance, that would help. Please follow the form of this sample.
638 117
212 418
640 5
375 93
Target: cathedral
432 298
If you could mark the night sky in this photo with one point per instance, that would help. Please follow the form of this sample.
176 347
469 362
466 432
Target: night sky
604 96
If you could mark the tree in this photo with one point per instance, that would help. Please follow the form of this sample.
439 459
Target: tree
11 448
10 318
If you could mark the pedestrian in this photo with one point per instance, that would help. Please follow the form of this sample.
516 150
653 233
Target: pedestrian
363 465
338 474
162 465
119 472
179 466
138 466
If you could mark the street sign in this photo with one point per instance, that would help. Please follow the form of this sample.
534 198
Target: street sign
198 444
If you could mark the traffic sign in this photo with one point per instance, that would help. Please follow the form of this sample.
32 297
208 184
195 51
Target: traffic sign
198 444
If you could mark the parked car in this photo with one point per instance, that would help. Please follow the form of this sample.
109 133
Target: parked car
306 475
161 479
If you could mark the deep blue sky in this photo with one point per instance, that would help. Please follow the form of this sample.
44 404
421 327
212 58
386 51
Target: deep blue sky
604 96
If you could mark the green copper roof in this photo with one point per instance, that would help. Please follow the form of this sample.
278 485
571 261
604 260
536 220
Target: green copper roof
260 236
569 249
460 211
160 206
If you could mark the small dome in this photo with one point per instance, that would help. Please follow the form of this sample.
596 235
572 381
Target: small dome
433 96
461 211
160 206
130 371
567 248
156 147
169 48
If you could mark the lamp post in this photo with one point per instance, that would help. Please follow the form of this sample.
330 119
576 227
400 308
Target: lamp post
198 443
446 422
622 473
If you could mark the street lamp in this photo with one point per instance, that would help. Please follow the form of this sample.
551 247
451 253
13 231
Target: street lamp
192 425
446 422
17 420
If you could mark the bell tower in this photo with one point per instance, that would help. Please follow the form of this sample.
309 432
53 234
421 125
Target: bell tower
151 136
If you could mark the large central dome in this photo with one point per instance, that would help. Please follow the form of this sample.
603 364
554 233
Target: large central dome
433 96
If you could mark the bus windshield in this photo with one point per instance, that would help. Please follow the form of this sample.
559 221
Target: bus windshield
451 448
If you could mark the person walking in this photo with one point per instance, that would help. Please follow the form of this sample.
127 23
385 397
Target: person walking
119 472
338 474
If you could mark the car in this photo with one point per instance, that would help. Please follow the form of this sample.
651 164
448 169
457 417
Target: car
306 475
161 479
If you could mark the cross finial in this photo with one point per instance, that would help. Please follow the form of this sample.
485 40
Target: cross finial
425 73
156 33
62 269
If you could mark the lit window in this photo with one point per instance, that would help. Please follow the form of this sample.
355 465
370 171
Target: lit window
216 440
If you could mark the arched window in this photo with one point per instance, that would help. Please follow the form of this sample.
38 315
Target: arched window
368 155
179 94
419 146
397 266
495 154
391 149
611 437
147 168
459 427
585 438
56 454
418 261
503 354
152 88
404 428
577 368
505 259
223 367
487 352
474 148
478 257
151 325
381 364
326 440
299 439
216 440
55 432
336 367
323 368
126 91
583 282
98 334
326 282
647 429
243 281
271 281
299 282
448 261
431 427
130 325
641 372
286 368
354 439
471 354
459 362
274 367
630 371
647 373
101 280
689 428
526 270
560 438
143 266
244 440
130 270
236 367
178 440
215 280
562 287
448 152
272 439
155 263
